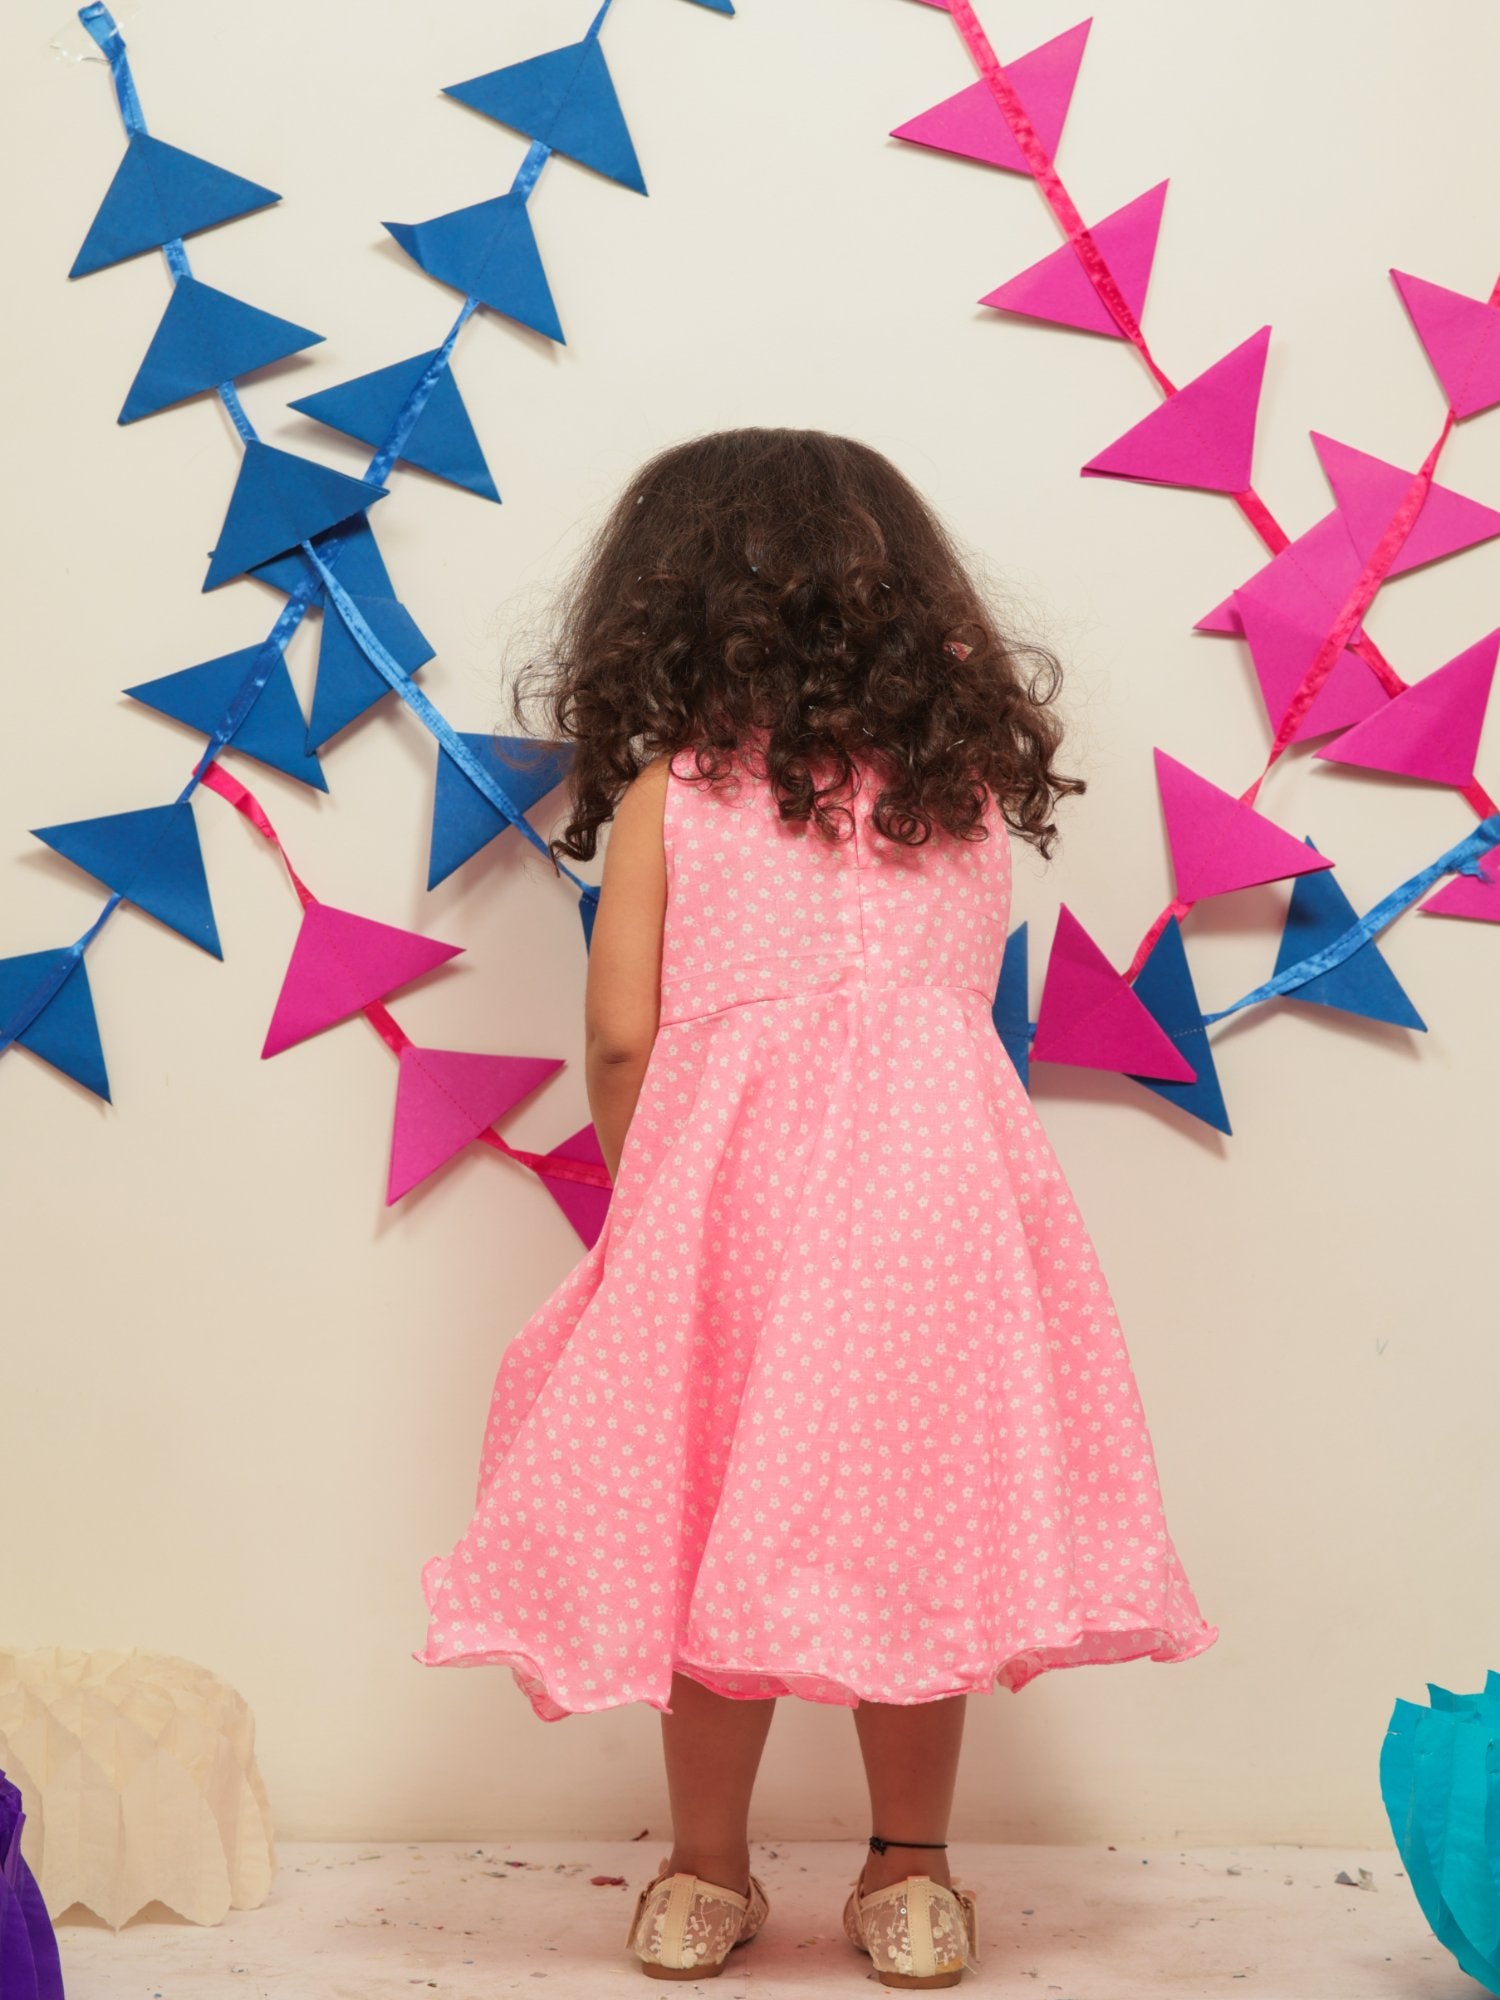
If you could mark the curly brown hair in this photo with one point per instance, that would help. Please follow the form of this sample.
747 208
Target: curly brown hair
790 591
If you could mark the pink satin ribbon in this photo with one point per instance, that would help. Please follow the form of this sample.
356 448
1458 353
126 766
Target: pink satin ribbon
549 1166
1384 554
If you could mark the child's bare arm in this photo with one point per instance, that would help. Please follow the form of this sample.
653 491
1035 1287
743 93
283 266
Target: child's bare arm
622 997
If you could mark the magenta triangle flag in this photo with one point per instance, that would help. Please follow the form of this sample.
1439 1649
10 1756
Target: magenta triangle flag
1369 490
1462 339
1310 580
1203 436
585 1206
1058 288
972 124
445 1098
1091 1018
341 963
1432 730
1476 896
1283 647
1219 843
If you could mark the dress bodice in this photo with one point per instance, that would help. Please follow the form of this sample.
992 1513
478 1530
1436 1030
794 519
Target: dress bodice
759 908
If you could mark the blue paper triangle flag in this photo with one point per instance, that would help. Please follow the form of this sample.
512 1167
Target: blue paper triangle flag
567 100
65 1033
358 565
151 858
716 6
347 684
1011 1004
1165 986
588 909
279 500
274 731
464 820
158 194
442 440
488 252
205 338
1318 912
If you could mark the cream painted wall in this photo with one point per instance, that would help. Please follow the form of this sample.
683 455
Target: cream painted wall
243 1400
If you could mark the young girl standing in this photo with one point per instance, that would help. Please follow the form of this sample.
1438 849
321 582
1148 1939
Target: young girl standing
837 1405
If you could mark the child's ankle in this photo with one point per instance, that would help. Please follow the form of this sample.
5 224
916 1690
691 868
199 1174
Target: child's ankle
725 1871
896 1863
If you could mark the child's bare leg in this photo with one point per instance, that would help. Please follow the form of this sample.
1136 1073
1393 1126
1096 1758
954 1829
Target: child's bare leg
712 1745
911 1765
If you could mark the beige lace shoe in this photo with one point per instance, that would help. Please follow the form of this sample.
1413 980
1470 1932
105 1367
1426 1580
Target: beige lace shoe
918 1932
685 1928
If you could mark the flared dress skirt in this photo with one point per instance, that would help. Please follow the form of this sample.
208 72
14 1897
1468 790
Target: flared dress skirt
838 1404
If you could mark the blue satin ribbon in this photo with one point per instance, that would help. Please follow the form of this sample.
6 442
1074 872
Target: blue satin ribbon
1463 858
451 743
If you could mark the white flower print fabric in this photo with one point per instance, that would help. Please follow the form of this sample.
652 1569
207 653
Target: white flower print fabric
838 1404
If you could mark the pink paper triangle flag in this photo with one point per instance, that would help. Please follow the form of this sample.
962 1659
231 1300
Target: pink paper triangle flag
972 124
585 1207
1058 288
445 1098
1462 339
1309 580
1431 731
1204 435
1369 491
1091 1018
341 963
1476 896
1219 843
1282 648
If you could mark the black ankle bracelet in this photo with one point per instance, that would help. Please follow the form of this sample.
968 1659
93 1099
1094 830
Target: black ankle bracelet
880 1845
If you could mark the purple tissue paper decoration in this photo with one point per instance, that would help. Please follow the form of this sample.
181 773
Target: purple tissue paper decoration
29 1964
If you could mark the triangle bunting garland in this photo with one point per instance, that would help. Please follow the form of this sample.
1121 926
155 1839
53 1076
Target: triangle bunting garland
205 338
445 1098
65 1033
151 858
442 441
1164 985
567 100
971 123
488 252
274 732
464 820
1220 844
278 501
1091 1018
340 963
1362 984
158 194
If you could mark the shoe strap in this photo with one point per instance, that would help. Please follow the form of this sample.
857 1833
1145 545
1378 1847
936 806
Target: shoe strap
675 1915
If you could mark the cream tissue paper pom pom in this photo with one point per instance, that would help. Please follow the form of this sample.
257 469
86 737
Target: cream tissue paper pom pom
138 1775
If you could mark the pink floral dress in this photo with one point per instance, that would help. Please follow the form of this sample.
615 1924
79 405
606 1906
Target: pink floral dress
838 1404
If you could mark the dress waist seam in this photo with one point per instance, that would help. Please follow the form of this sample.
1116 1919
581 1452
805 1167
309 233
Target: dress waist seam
669 1019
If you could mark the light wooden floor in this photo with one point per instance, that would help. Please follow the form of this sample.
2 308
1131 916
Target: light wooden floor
472 1922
